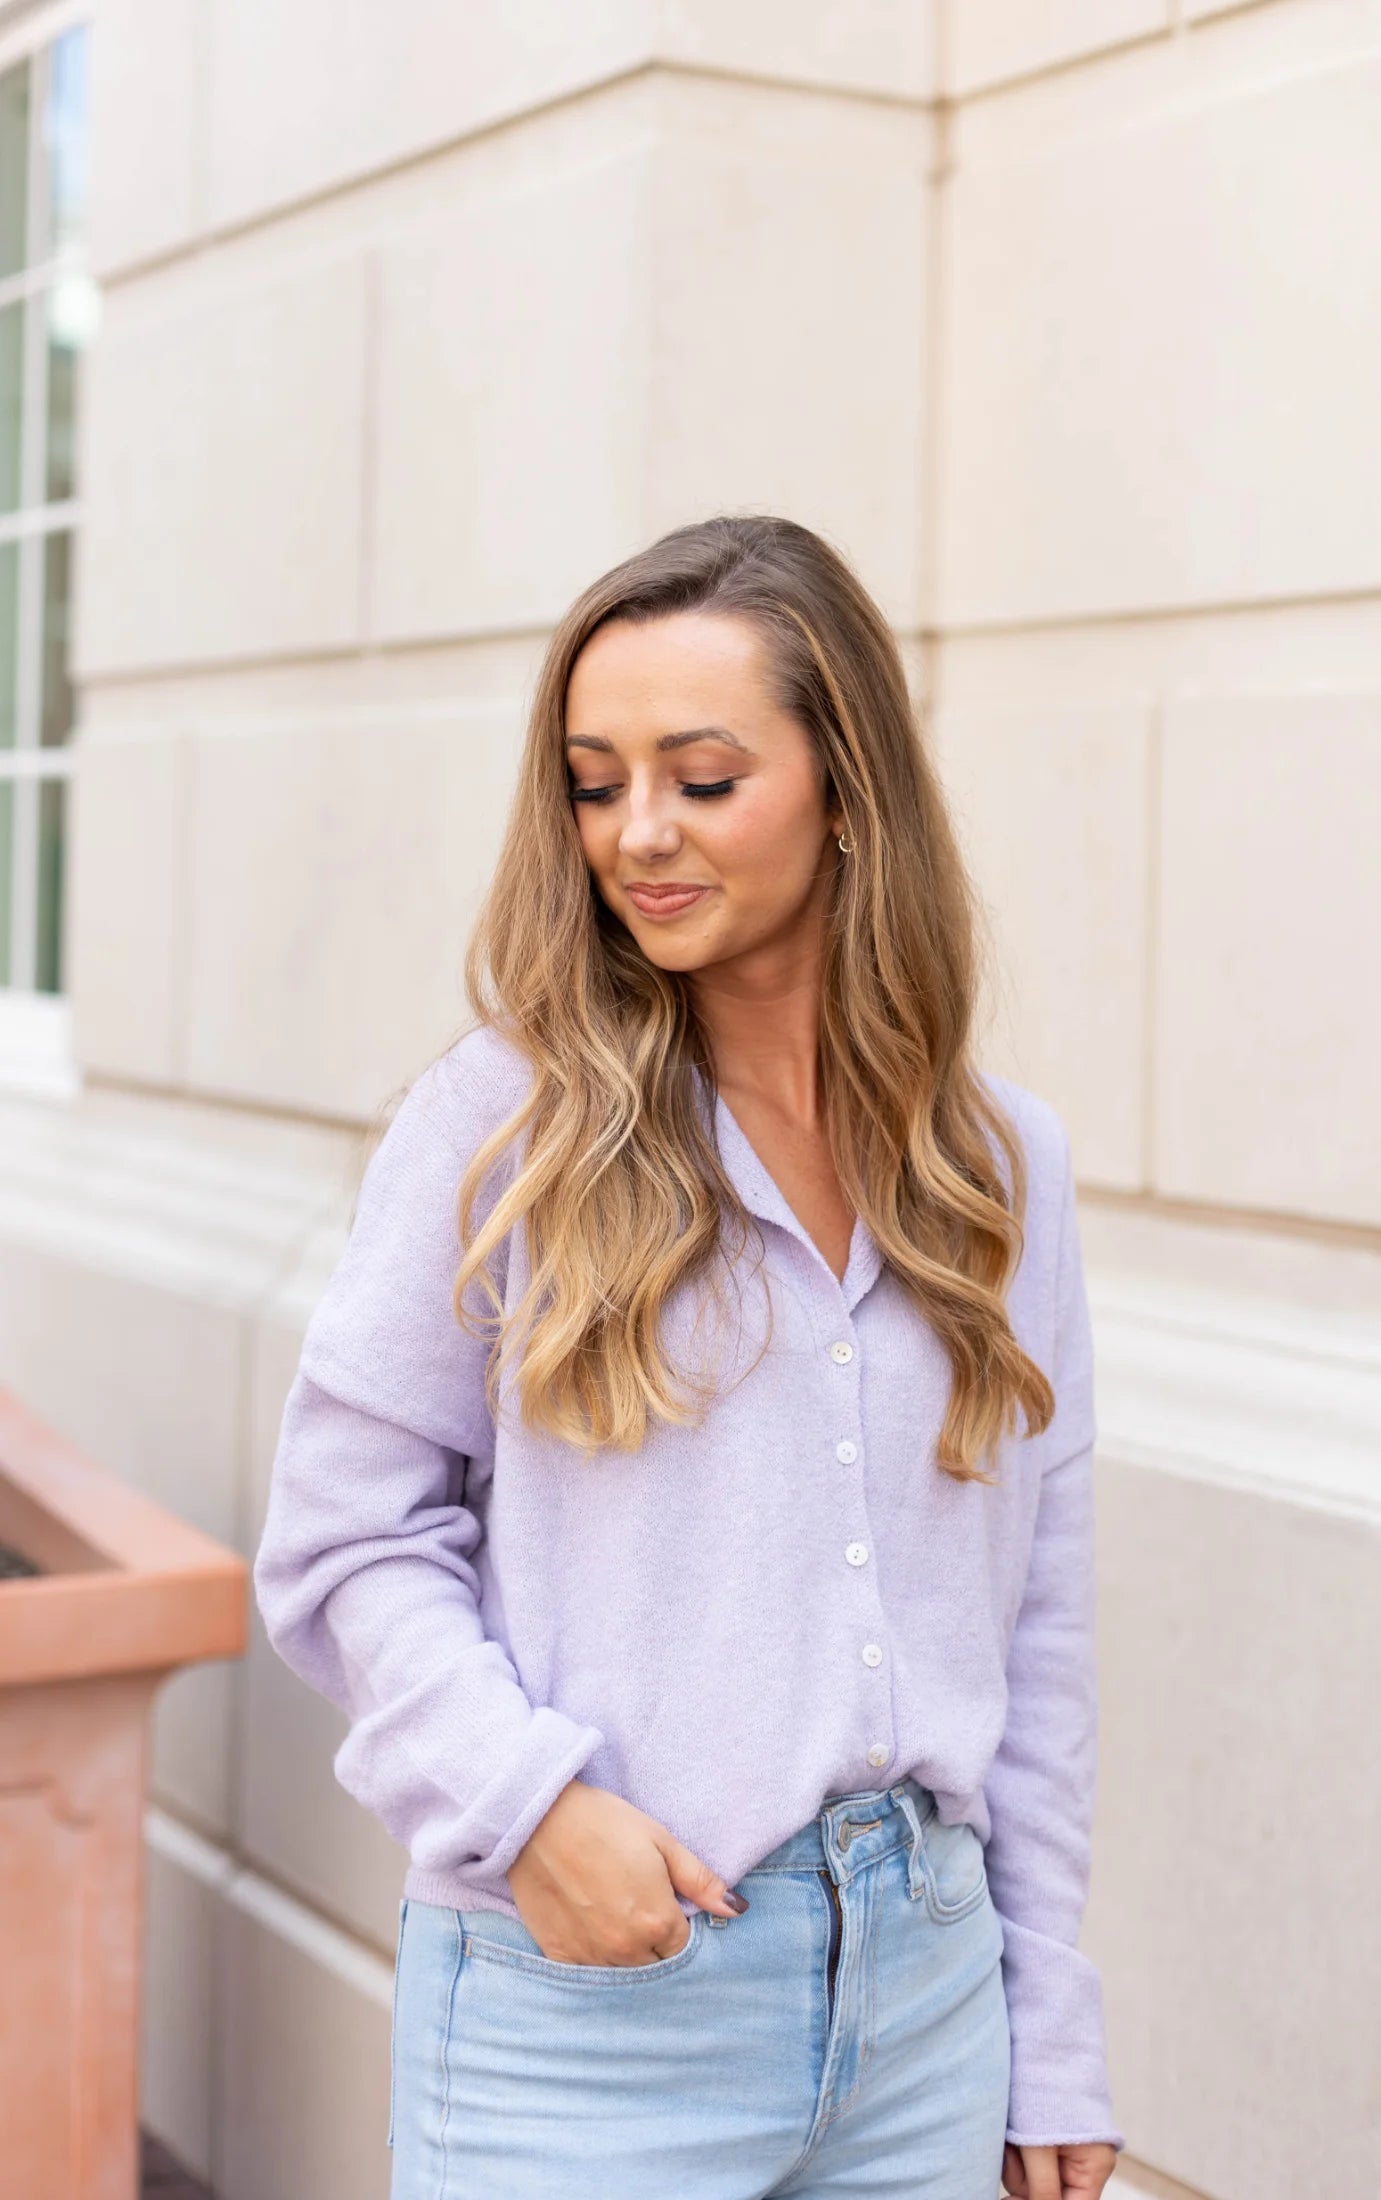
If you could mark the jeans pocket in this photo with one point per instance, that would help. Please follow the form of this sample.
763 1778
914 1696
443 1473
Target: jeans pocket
393 2026
953 1871
494 1937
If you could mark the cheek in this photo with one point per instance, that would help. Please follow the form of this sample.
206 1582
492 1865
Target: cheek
766 848
596 838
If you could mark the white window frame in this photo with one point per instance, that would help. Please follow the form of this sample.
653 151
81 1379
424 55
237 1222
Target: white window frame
36 1038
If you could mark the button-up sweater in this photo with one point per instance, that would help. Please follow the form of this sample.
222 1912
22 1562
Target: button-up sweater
789 1602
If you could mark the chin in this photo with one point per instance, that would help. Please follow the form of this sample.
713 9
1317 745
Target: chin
673 954
668 956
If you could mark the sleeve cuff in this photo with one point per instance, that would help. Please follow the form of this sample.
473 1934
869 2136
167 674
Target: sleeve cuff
1059 2085
510 1807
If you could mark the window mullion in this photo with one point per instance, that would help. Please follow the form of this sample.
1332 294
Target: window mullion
28 770
27 701
29 639
24 907
34 419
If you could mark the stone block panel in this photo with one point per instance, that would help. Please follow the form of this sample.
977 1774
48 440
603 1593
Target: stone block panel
578 354
991 41
1158 357
788 307
311 94
128 826
511 398
1267 1062
1238 1644
335 870
886 46
183 1893
303 2072
1051 802
293 1818
146 62
224 448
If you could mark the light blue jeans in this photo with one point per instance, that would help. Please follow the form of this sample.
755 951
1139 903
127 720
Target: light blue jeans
847 2034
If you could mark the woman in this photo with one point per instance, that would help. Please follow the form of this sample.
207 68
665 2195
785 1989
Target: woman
686 1486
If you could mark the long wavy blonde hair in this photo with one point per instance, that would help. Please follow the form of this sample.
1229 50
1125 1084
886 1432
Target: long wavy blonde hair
619 1187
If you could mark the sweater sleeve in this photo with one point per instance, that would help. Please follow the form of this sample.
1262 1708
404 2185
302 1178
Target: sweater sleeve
365 1574
1040 1788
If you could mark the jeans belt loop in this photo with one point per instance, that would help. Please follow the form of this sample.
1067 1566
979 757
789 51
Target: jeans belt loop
915 1878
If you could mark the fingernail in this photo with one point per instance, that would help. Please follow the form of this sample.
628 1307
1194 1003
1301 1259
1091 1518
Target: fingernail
736 1903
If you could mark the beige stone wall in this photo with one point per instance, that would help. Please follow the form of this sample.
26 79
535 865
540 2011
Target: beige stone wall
1156 678
1062 321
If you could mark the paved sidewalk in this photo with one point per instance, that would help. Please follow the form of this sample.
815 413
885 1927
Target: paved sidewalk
163 2178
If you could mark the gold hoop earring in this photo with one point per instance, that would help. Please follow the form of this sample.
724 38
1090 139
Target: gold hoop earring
846 845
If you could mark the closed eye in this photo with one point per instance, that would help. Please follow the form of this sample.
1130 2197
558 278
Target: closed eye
698 791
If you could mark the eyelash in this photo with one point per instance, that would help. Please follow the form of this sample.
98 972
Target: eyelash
695 792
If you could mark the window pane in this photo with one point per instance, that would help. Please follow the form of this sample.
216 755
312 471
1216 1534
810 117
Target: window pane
62 408
52 808
65 139
6 873
73 306
57 688
11 402
9 610
14 166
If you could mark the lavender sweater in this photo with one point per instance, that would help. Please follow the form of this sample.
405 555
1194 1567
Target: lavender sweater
694 1626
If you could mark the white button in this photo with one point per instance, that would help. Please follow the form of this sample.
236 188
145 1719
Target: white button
872 1654
842 1352
846 1452
856 1553
879 1754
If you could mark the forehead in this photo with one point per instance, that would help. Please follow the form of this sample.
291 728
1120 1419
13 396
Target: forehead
652 675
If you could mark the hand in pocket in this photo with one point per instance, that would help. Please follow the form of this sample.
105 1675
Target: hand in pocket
597 1882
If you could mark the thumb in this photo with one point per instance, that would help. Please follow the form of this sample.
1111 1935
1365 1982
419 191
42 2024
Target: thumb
705 1888
1013 2173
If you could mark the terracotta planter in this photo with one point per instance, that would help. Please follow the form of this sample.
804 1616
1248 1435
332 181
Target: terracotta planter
126 1594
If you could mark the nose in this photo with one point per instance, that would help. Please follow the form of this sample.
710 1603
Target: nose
649 825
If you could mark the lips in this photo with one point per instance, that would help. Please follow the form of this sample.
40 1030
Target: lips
665 901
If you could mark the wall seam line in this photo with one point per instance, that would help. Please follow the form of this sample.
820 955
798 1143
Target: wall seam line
213 236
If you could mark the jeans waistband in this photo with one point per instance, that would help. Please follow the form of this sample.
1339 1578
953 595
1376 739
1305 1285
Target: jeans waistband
850 1832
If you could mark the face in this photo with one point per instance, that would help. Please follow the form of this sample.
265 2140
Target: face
698 800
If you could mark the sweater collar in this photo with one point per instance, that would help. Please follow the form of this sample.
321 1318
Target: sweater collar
763 1197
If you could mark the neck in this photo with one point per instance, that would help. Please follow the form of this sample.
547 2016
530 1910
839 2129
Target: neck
762 1018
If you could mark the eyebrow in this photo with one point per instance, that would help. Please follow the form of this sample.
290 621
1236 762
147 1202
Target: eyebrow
665 740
